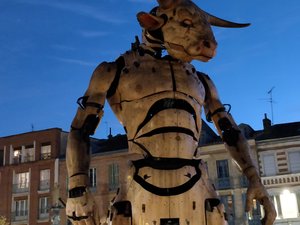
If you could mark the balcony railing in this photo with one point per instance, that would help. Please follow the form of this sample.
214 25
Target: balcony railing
17 159
19 215
113 186
20 188
255 220
43 216
230 182
93 188
223 183
44 185
290 179
244 182
46 155
29 158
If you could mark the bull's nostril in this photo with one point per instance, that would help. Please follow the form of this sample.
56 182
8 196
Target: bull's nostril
206 44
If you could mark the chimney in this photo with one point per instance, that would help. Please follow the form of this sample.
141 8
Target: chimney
110 135
267 122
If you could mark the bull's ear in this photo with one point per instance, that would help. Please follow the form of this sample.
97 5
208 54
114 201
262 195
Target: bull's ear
149 21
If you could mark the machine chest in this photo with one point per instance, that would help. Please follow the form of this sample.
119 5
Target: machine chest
144 76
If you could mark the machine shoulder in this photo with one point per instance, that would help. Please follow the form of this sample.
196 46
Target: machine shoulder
211 92
103 77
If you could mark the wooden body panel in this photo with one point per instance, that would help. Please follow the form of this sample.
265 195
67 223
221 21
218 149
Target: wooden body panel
160 106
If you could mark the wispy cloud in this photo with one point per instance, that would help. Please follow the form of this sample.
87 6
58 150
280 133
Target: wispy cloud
63 47
80 9
141 1
93 34
74 61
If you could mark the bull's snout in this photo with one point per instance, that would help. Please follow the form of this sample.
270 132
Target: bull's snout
207 44
206 50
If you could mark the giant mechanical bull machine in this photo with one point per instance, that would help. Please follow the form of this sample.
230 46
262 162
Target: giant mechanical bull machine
158 99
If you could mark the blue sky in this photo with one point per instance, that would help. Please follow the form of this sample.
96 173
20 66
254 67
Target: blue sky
49 48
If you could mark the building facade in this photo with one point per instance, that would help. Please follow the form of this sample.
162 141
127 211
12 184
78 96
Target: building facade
110 160
107 172
28 172
278 151
229 183
33 173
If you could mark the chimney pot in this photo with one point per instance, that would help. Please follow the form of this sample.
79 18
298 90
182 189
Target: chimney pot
266 122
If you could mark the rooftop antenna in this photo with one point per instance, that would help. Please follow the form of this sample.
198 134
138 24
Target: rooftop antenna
270 92
32 127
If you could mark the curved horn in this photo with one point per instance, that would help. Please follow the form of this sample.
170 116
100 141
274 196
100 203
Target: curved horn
165 4
215 21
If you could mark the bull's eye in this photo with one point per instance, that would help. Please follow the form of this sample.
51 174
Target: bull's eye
187 23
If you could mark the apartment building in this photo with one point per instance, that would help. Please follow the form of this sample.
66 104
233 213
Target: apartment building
33 173
230 184
28 171
278 150
108 165
109 162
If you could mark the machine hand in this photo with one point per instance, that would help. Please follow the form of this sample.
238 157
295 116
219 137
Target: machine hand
257 191
83 210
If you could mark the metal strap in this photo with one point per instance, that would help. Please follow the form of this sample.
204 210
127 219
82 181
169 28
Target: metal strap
166 164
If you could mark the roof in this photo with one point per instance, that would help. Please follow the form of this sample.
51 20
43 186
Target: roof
279 131
33 132
208 136
114 143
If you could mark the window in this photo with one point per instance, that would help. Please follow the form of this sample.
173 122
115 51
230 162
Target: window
21 183
17 155
298 202
294 159
21 209
276 200
23 179
228 201
44 179
92 177
206 167
222 168
254 216
223 181
269 165
1 157
29 153
113 177
44 207
46 151
289 205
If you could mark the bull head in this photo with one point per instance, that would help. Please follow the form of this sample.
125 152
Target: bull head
186 29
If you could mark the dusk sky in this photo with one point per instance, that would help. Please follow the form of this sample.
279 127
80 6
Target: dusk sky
49 49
